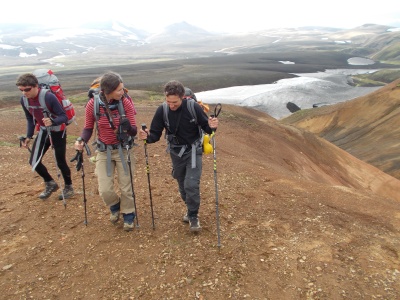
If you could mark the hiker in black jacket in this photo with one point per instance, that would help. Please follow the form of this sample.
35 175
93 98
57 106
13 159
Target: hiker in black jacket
184 138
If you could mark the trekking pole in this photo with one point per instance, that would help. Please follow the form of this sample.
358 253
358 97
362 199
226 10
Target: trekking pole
148 176
217 110
21 140
133 191
124 140
79 165
55 159
83 184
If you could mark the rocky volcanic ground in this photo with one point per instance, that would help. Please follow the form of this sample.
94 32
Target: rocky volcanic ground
297 221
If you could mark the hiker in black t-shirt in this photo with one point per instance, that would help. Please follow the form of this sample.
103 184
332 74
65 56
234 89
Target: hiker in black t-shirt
184 145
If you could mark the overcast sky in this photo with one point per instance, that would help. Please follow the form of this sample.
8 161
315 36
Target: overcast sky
212 15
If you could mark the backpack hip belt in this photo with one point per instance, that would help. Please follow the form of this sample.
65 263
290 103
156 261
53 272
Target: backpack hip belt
101 147
194 146
53 128
173 147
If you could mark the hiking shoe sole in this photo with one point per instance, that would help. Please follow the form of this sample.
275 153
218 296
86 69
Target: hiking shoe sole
114 217
195 229
67 195
128 227
185 219
50 189
194 225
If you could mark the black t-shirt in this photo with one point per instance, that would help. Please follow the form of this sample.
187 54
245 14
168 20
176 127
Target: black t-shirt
188 130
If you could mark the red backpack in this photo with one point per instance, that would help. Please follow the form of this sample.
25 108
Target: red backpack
49 81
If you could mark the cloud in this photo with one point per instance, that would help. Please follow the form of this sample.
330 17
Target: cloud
212 15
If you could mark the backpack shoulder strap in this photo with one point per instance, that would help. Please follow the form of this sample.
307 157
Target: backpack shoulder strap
26 104
190 106
42 100
96 106
121 109
165 115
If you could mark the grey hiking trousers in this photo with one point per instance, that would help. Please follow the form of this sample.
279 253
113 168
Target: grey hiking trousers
188 179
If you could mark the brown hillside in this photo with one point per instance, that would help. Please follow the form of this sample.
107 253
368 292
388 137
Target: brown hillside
366 127
300 219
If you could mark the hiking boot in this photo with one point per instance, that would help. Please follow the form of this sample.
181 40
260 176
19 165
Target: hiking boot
114 217
50 187
194 224
114 209
68 192
128 221
128 226
185 218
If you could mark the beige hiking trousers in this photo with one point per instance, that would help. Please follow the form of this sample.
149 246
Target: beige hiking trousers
107 188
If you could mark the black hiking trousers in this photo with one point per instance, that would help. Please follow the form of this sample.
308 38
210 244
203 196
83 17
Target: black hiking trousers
188 179
39 149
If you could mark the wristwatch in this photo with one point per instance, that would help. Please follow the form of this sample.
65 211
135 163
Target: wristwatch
80 139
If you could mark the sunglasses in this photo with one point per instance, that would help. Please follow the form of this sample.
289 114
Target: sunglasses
26 90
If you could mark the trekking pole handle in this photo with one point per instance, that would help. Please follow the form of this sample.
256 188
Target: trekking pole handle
21 140
46 114
144 127
87 149
217 110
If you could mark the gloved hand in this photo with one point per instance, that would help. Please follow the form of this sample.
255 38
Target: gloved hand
125 124
22 141
79 160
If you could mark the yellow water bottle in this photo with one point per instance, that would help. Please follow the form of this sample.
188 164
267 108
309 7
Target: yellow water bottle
207 147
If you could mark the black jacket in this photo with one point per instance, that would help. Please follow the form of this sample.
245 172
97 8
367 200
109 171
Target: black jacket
188 130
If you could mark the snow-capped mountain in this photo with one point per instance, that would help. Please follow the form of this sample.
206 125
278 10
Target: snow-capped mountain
33 40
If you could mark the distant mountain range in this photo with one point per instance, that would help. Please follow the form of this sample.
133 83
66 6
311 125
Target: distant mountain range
33 44
203 60
33 40
366 127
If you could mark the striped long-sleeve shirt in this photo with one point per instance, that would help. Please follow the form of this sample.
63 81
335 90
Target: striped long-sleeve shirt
105 132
